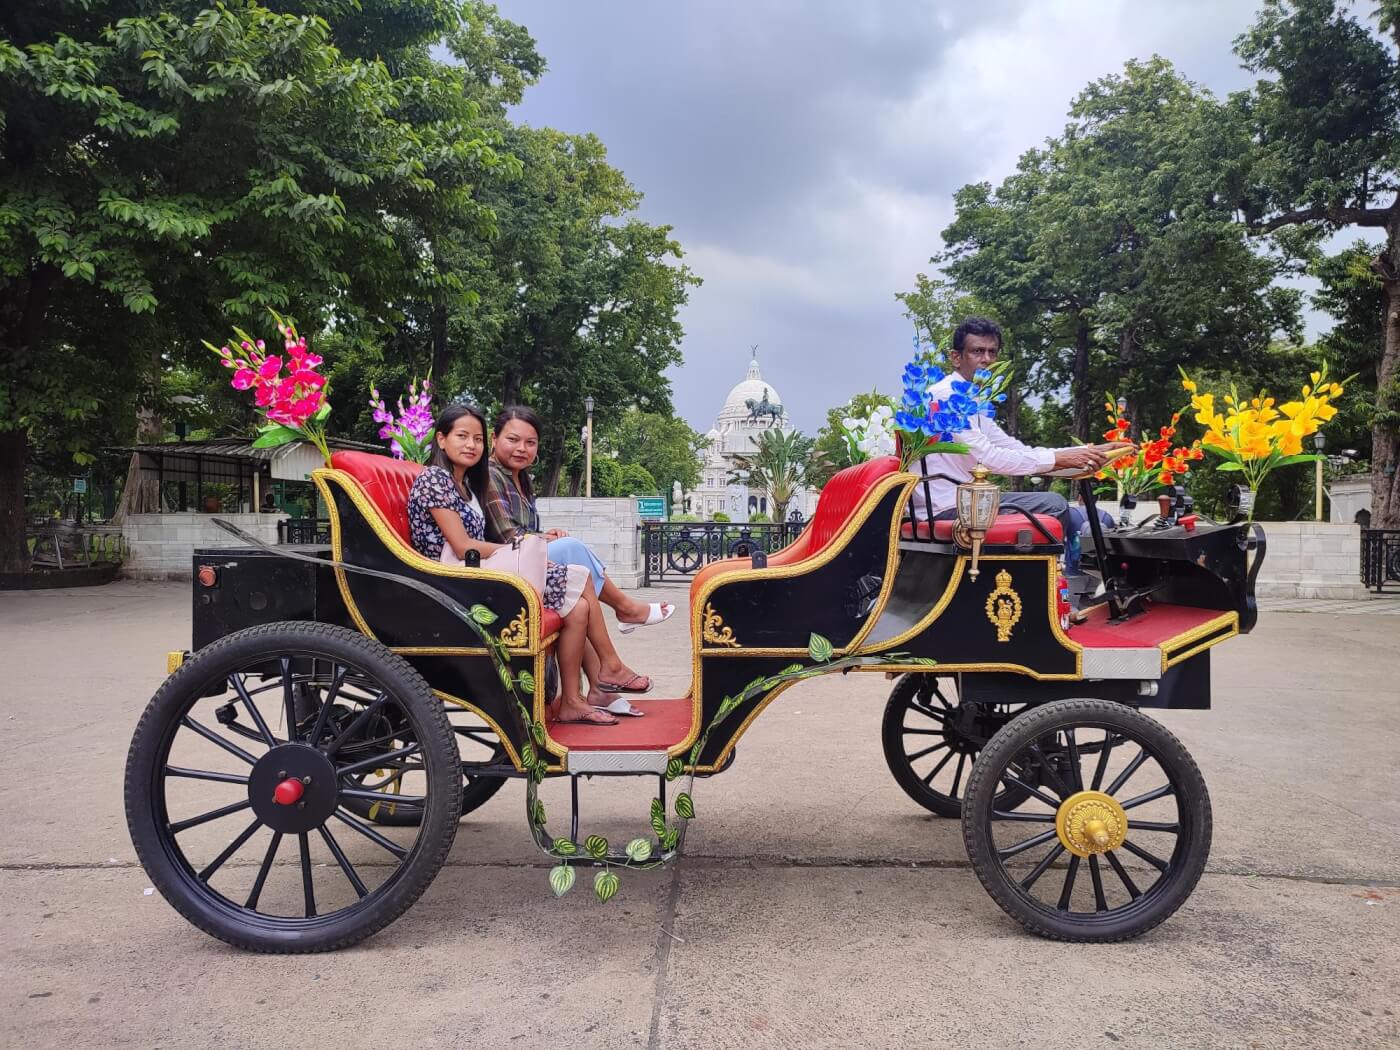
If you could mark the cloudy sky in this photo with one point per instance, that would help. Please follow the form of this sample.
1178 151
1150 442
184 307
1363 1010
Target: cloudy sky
806 151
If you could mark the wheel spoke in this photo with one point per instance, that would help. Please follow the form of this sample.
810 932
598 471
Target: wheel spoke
1127 881
1028 818
1049 770
1042 867
1109 743
241 688
229 850
205 774
215 738
1025 844
204 818
1142 854
1100 902
374 836
957 776
926 751
1068 891
289 703
322 716
360 719
384 796
263 870
308 892
1153 825
1007 778
935 771
1074 759
930 712
1131 768
1149 796
922 732
376 761
343 861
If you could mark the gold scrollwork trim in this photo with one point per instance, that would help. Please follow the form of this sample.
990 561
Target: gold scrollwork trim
715 631
518 633
1004 607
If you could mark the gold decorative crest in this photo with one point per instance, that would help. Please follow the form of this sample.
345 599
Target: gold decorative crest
518 633
1004 607
714 630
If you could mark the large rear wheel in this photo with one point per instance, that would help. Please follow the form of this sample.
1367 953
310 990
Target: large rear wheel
239 775
1114 832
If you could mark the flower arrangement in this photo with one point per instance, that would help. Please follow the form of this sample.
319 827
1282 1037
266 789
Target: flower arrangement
409 434
288 390
1158 461
924 425
870 435
1252 436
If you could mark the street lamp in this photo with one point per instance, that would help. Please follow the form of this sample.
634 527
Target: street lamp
588 450
1319 443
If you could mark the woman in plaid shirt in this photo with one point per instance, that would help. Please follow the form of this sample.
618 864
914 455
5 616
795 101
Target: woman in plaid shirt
511 512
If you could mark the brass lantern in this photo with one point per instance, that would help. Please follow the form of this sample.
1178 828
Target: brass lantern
977 503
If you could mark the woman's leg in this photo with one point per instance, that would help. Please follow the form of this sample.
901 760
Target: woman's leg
573 637
571 551
611 668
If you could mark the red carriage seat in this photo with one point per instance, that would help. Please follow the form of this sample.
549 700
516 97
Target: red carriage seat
1006 529
387 481
839 499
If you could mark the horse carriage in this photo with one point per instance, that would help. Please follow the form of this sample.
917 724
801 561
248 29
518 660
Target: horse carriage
297 781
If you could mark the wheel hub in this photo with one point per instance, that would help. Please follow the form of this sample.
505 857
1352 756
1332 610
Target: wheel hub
293 788
1090 822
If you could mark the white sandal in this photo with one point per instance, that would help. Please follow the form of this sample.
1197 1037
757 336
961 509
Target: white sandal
621 706
654 615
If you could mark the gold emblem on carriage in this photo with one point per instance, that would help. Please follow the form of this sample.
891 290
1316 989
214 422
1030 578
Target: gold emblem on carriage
518 633
1004 607
714 630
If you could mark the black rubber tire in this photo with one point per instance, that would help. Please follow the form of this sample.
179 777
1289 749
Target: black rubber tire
892 733
1156 904
216 915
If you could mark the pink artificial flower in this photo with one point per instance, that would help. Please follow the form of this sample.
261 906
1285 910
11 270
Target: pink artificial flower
310 360
243 378
306 377
270 367
265 395
306 407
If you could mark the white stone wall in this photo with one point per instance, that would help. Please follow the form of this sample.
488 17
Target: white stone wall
1311 559
161 546
1348 496
609 526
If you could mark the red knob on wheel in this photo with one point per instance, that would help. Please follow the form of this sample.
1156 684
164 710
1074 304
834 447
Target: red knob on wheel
288 792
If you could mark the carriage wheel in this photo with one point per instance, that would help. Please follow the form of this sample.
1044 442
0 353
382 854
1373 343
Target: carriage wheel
251 840
478 744
931 743
1129 805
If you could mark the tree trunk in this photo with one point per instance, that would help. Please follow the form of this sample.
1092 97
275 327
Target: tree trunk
439 334
1079 381
14 552
556 467
1385 434
141 493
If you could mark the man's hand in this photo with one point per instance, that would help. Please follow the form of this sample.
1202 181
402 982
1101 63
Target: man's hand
1089 457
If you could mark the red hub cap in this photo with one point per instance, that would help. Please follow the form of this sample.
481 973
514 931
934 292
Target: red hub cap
288 792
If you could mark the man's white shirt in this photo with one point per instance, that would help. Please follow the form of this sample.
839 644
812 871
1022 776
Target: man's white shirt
987 444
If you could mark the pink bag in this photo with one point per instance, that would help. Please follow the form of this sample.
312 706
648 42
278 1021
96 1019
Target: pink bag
525 557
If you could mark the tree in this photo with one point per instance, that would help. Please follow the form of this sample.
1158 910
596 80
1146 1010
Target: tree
1325 120
662 445
778 466
164 171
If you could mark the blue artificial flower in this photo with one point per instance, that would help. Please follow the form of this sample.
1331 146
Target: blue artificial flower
962 404
928 427
999 398
913 399
905 421
982 375
935 374
962 386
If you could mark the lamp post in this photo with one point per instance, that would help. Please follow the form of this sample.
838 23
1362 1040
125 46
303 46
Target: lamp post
588 450
1319 443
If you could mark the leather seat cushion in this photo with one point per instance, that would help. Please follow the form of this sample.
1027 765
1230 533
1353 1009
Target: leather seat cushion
1006 530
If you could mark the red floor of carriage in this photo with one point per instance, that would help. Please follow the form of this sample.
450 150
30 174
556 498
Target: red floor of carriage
665 723
1159 624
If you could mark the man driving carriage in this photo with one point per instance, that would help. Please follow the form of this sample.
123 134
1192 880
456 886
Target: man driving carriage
976 345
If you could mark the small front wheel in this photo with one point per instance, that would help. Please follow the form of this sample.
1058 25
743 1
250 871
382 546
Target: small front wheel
1108 789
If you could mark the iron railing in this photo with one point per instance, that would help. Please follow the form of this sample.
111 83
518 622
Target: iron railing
679 549
304 530
1380 558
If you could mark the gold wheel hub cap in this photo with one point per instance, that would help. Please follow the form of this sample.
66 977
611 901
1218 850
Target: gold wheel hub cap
1090 822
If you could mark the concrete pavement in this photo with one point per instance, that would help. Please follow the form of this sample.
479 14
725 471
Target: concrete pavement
817 906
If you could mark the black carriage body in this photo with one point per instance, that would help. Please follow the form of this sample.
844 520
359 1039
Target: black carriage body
251 586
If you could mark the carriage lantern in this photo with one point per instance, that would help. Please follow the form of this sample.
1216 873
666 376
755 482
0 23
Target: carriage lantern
977 502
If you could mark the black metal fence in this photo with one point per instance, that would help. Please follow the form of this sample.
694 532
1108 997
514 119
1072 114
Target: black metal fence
674 550
1380 558
304 530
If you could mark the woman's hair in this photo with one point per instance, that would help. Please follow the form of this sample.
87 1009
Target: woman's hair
527 416
478 475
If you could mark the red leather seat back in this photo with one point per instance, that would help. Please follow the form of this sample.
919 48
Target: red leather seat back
1005 530
842 495
385 480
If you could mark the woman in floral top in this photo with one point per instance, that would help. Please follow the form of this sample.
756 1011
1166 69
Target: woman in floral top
444 510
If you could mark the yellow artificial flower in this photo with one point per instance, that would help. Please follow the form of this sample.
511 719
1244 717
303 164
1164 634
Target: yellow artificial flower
1189 385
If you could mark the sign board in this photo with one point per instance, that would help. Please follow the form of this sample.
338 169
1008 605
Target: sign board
80 485
651 508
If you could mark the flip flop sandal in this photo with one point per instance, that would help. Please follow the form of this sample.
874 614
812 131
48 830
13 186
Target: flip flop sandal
588 719
614 687
654 615
621 706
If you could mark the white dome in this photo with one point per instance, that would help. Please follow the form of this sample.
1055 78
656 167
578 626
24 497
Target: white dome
752 388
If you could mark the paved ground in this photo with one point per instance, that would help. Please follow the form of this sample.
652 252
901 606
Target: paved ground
818 907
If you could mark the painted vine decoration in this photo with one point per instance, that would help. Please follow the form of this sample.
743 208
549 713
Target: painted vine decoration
642 853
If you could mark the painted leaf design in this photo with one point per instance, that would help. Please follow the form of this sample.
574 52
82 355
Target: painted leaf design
527 681
669 838
596 846
537 731
565 847
674 768
537 812
819 649
658 824
504 672
483 615
561 879
685 806
527 755
790 669
657 809
605 885
638 850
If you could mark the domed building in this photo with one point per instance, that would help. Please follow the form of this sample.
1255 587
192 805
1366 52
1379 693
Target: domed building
753 406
